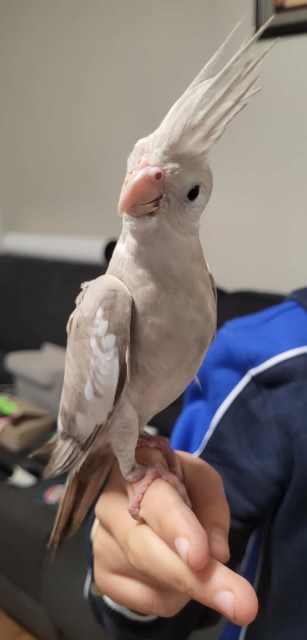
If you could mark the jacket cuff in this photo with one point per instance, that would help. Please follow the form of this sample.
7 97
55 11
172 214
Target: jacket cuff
91 593
127 613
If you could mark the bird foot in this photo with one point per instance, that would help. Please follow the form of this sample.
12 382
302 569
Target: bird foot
143 476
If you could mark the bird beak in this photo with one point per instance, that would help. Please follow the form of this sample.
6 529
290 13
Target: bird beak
142 191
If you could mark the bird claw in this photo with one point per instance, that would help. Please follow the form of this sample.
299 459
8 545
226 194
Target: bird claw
143 476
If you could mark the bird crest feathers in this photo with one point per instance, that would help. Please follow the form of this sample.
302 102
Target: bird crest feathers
216 95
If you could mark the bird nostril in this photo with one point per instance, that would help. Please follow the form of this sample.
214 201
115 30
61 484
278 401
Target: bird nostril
158 175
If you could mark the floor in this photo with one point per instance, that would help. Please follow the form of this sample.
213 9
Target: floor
10 630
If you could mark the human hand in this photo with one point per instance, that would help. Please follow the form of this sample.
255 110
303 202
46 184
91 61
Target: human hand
155 567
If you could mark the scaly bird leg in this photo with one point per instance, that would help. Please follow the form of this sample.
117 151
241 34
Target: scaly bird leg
171 473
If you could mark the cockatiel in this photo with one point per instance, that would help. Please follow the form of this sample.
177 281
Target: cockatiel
140 332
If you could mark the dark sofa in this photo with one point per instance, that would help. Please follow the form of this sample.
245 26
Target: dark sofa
44 595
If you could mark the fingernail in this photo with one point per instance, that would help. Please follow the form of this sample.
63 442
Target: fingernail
182 545
224 601
219 544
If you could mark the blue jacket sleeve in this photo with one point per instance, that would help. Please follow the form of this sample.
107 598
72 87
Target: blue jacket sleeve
119 627
235 419
180 627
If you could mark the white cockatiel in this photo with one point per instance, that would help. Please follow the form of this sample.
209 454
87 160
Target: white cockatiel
140 332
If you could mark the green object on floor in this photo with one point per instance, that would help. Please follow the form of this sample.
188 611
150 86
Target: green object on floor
7 407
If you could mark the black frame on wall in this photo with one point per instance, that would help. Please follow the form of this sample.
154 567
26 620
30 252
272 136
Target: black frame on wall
287 21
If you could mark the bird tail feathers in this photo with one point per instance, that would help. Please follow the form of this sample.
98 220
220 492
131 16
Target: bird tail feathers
61 455
45 450
64 454
82 489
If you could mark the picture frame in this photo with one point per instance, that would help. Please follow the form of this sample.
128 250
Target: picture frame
290 17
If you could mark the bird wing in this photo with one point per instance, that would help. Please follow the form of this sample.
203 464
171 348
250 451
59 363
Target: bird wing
96 369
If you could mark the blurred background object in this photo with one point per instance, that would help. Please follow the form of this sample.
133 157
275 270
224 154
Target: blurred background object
38 375
70 248
290 17
289 4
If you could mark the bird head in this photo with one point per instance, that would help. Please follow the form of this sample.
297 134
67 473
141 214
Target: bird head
168 172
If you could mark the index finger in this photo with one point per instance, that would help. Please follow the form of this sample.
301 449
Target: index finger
172 520
206 491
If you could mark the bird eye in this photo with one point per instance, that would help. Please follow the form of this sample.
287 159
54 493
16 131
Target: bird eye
194 192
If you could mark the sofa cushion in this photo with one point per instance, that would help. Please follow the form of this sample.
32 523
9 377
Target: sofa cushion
37 298
26 523
232 304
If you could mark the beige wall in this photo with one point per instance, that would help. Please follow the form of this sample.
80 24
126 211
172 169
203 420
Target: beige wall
81 81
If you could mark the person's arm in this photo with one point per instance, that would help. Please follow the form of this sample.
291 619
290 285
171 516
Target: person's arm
251 448
253 486
236 420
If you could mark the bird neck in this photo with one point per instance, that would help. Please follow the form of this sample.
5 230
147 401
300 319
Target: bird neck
146 229
153 244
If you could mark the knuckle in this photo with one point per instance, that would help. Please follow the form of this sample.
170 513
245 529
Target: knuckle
168 607
131 548
164 606
191 592
151 605
180 583
135 547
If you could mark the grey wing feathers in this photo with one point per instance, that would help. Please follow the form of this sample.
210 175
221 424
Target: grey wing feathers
96 369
